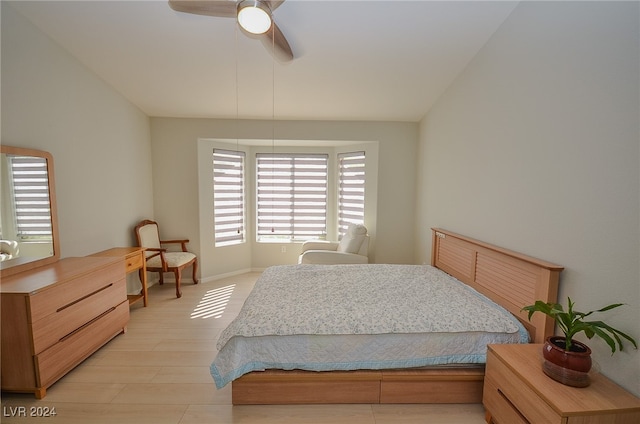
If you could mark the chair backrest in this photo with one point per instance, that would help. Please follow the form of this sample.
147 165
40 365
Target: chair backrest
148 235
355 240
364 247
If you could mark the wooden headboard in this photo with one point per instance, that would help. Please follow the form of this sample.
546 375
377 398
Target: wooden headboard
510 279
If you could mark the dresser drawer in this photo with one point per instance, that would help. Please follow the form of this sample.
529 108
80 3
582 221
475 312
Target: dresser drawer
133 262
56 326
502 410
501 382
65 294
60 358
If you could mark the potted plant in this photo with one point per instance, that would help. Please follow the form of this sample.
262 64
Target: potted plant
567 360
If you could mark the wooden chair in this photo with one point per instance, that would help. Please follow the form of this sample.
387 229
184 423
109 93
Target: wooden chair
161 260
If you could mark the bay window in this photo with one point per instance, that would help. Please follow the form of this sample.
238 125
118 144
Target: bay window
291 193
228 197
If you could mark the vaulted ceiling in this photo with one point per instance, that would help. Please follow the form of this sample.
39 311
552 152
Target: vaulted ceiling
354 60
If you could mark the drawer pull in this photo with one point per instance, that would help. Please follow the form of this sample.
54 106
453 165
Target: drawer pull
513 406
83 298
108 311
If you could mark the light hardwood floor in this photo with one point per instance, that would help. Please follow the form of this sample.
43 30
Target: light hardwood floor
158 372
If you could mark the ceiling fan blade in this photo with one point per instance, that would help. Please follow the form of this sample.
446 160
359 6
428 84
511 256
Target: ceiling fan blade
274 4
274 40
221 8
276 43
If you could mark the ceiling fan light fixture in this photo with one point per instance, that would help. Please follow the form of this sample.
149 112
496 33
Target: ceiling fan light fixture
254 16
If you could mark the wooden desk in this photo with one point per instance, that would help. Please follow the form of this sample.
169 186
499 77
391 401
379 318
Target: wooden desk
134 261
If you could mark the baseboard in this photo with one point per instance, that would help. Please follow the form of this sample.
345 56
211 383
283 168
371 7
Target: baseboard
187 280
227 275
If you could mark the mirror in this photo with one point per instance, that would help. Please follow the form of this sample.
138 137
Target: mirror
28 216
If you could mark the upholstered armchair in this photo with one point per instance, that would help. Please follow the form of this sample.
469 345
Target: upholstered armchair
160 259
352 249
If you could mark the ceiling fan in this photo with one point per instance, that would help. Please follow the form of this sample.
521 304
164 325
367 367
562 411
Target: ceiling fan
248 13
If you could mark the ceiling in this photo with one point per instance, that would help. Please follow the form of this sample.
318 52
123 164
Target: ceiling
354 60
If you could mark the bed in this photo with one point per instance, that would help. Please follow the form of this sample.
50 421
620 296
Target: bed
337 334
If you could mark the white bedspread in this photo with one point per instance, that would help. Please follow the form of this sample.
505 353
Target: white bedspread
324 317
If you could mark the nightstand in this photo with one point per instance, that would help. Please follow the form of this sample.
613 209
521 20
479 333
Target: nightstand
517 391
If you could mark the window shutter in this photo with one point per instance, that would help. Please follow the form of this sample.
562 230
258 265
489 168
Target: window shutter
292 196
228 197
351 168
30 185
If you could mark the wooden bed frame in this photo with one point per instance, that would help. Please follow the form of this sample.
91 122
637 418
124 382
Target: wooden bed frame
508 278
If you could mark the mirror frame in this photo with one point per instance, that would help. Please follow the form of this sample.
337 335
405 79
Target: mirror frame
17 265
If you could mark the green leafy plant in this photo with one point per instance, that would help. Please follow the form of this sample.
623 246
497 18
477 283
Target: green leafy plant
571 322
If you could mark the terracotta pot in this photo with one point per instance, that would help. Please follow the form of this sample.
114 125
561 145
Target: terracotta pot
567 367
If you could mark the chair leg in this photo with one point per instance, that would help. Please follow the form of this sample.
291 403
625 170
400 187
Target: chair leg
161 282
178 277
195 270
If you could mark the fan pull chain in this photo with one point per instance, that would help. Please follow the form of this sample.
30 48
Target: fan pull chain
240 216
273 114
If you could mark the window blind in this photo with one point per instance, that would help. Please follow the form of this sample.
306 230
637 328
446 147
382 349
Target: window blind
291 196
30 184
228 197
351 180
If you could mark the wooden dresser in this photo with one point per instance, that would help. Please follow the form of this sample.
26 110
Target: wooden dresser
55 316
516 391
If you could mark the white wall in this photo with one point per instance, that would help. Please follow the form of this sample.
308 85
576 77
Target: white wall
176 167
99 141
535 147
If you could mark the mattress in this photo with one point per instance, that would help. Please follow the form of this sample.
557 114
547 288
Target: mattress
349 317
